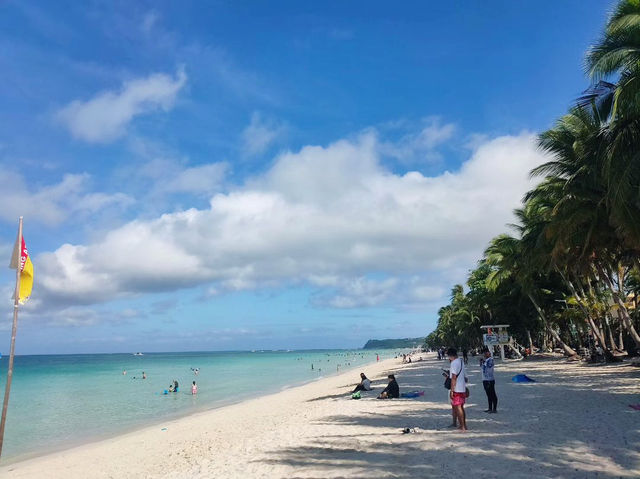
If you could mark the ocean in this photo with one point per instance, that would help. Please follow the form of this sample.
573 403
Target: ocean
58 401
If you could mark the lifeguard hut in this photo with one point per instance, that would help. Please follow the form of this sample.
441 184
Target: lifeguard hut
496 335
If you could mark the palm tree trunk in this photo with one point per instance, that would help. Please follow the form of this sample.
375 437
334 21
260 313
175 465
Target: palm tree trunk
620 337
592 324
612 341
626 319
530 341
567 349
602 335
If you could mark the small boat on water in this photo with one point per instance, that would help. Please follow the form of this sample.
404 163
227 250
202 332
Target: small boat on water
138 354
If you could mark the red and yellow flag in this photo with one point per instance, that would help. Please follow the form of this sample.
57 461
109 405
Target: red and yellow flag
26 270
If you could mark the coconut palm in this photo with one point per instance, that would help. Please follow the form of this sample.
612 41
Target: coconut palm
585 245
617 56
505 254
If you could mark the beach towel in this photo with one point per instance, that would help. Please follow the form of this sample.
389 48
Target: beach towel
522 378
412 394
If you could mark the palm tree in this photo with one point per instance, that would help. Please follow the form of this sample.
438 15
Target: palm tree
617 56
585 245
505 254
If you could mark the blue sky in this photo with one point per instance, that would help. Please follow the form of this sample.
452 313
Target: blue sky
242 175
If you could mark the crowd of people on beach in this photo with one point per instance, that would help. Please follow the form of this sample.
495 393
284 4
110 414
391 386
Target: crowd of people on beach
456 381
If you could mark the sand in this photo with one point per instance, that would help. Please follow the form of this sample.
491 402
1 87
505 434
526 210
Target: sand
574 422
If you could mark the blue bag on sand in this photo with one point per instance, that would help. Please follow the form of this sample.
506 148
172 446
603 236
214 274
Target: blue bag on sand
412 394
522 378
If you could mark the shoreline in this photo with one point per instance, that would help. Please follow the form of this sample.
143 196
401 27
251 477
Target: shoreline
574 422
218 405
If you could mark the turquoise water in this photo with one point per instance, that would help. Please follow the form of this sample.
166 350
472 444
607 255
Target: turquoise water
63 400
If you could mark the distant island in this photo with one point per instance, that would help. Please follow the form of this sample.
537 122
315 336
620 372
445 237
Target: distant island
393 343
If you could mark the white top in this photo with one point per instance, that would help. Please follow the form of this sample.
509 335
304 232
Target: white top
366 384
487 369
457 368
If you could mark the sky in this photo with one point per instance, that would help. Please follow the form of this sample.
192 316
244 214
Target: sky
267 175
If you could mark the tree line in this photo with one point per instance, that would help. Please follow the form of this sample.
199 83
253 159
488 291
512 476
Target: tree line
568 274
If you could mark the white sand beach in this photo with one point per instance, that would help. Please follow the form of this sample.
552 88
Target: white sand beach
574 422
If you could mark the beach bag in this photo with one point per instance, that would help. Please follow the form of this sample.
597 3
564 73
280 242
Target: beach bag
356 395
447 383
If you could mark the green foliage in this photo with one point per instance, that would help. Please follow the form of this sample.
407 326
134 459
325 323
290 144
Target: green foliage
573 261
394 343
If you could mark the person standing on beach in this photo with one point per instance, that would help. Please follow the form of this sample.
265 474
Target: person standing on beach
489 382
458 388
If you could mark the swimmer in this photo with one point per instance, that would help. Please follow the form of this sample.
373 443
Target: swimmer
124 372
194 388
144 375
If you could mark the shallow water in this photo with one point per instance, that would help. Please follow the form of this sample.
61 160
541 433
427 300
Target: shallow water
59 400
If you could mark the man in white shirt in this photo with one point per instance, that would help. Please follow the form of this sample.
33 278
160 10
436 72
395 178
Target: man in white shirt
457 394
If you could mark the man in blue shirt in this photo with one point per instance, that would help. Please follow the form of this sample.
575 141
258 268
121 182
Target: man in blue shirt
489 382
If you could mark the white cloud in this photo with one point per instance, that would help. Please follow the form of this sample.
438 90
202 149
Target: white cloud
360 292
422 143
149 21
403 292
260 134
52 204
105 117
331 215
170 176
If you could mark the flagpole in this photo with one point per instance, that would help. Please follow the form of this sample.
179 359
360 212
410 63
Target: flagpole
16 295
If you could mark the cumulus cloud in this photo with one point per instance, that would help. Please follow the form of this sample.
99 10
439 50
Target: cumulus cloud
359 292
170 176
105 117
422 143
52 204
260 134
318 214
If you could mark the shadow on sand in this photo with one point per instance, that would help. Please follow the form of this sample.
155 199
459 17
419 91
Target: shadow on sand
529 437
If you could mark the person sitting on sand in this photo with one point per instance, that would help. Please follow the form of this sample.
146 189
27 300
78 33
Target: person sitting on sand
365 384
392 390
